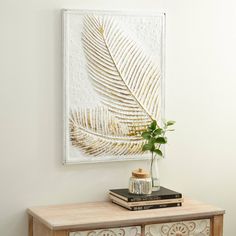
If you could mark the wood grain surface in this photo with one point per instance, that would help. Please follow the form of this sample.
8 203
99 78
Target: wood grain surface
95 214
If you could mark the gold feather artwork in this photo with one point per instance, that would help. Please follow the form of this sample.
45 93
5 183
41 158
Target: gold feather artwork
126 80
97 132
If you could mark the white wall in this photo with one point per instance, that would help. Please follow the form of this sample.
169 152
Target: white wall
200 94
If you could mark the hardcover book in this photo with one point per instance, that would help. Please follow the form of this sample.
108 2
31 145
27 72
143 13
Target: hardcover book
163 193
145 203
148 207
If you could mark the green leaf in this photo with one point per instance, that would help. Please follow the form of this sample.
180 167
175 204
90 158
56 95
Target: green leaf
152 140
148 147
158 152
153 125
161 140
158 132
170 130
146 135
170 122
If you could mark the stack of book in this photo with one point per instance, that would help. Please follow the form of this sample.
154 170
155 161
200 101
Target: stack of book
157 199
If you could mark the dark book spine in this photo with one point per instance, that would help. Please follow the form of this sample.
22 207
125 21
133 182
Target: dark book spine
140 208
153 198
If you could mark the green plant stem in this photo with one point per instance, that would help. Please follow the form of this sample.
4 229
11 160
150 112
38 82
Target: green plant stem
160 143
151 164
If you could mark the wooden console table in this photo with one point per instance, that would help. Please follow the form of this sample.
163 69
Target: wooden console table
107 219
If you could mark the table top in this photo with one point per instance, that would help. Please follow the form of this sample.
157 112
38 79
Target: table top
95 214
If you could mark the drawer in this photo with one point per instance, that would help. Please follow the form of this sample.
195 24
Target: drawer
182 228
124 231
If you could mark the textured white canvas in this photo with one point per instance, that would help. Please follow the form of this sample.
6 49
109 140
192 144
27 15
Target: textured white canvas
81 96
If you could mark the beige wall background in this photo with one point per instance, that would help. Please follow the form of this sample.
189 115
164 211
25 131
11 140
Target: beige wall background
200 95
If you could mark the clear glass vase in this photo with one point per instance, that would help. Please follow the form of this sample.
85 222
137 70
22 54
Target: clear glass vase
155 174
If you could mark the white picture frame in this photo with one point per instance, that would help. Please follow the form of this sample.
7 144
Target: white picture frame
143 27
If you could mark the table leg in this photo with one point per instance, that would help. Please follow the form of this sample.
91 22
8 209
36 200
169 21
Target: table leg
217 225
60 233
30 225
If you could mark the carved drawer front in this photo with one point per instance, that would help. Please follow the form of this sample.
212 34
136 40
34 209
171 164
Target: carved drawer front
125 231
183 228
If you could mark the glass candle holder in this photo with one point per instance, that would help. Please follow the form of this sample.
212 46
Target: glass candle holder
140 182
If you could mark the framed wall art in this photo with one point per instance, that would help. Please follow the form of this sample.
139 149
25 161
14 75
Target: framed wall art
113 83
